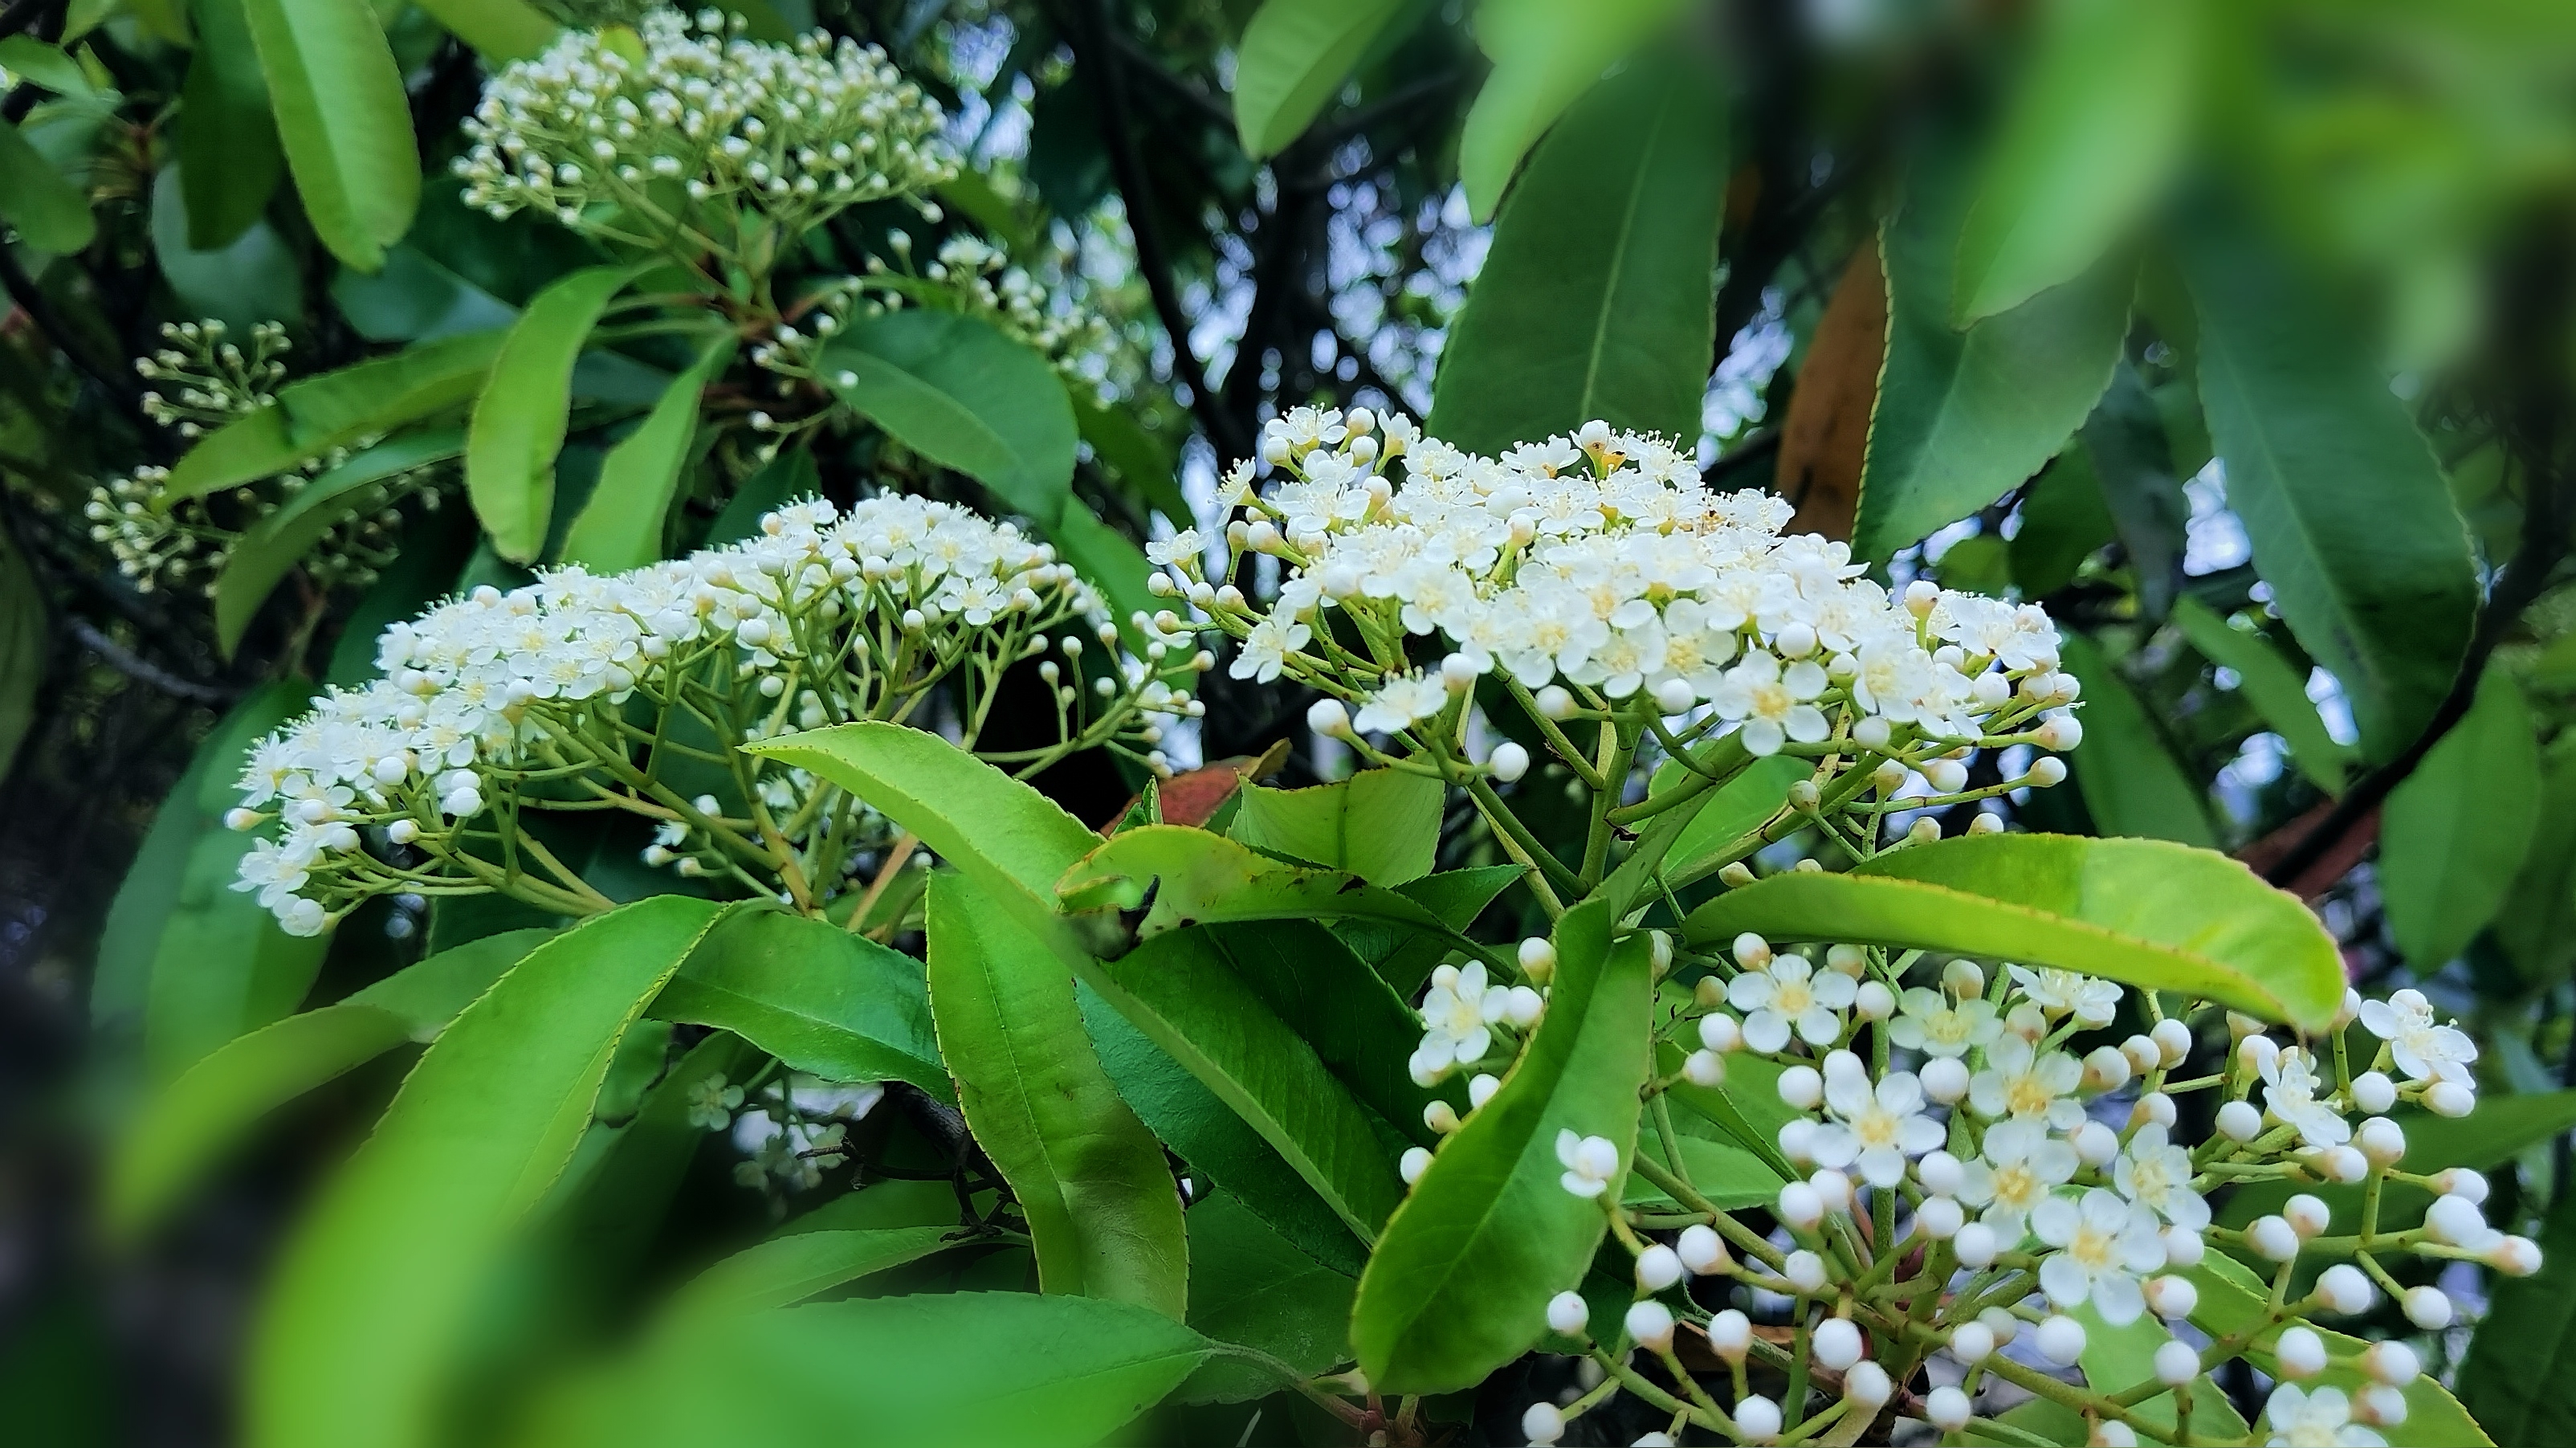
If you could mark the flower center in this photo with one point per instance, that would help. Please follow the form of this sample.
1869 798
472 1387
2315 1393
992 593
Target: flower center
2025 1096
1793 998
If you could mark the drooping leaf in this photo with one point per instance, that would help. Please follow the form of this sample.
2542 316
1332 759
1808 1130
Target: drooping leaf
2345 510
812 994
1104 1214
381 1275
2233 1300
958 392
2515 1376
1382 825
1824 439
519 420
336 409
228 151
270 548
2272 686
501 30
48 211
1965 417
1545 54
1248 1286
2132 457
786 1270
621 526
1460 1280
2131 782
1293 58
2088 144
344 120
1595 300
2063 522
2454 832
2147 912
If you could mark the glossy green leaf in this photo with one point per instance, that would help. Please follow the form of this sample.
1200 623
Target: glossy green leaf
1404 956
787 1270
1745 1107
2130 448
1103 1212
27 58
2122 1357
381 1276
221 965
2087 146
500 30
270 548
1735 809
958 392
48 211
604 1213
519 420
1595 299
2347 514
228 149
2275 689
2147 912
1293 59
24 635
2453 833
344 119
2515 1376
621 526
1546 54
334 410
1460 1280
2131 782
815 996
782 480
195 1120
1382 825
2537 924
1717 1165
2233 1299
1250 1287
252 278
1964 417
2063 522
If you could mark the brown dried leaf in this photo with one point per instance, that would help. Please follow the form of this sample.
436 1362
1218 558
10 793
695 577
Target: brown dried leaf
1826 435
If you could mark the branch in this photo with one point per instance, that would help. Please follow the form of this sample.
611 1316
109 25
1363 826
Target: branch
144 671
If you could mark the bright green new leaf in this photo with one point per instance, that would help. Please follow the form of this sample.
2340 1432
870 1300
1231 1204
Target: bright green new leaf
2233 1299
815 996
2272 686
1735 809
50 66
228 149
2088 145
1460 1280
1595 300
1250 1287
499 30
49 212
1382 825
958 392
2153 914
1293 59
2453 834
271 548
334 410
519 420
2517 1369
1963 418
787 1270
1546 53
1104 1215
1404 956
2348 517
380 1278
344 119
2131 782
620 527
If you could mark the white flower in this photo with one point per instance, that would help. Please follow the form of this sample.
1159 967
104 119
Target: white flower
1183 548
2423 1050
1934 1026
1458 1014
2156 1174
1774 703
1589 1162
2027 1084
2315 1418
2020 1166
2094 1002
1790 995
1876 1127
2290 1095
1263 652
2102 1244
1400 702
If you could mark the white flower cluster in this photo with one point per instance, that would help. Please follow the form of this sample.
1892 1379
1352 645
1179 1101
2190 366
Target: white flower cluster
595 692
676 133
1595 571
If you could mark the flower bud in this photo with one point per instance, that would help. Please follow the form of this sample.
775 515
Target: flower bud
1940 1173
1440 1116
1867 1385
1672 696
1702 1250
1798 1139
2273 1238
1939 1218
2173 1041
1538 959
1757 1419
1944 1079
1800 1206
2240 1121
2379 1403
2373 1092
1413 1164
2154 1107
1975 1246
2046 772
2307 1215
2059 735
1805 1271
1481 1088
2176 1364
1833 1189
2392 1363
2341 1164
1508 762
1658 1267
2300 1353
2060 1339
1850 960
1801 1087
2427 1308
2106 1068
1720 1032
1752 951
2257 1054
1328 718
1946 776
2455 1221
1836 1343
1971 1342
2171 1297
2344 1291
1730 1335
1704 1068
1963 978
1554 702
1567 1313
1873 1001
2095 1144
2182 1249
2459 1181
1921 597
1947 1409
2112 1433
1650 1323
2142 1054
2515 1256
2450 1098
1543 1423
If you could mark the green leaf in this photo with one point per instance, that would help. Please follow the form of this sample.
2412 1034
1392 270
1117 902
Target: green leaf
271 548
1546 54
335 410
2272 686
2515 1375
2537 925
2131 782
198 1118
1724 1171
2092 136
30 59
1121 443
2233 1300
1734 809
782 480
1460 1280
2063 522
1382 825
344 119
2347 514
1745 1108
24 634
499 30
1404 956
1293 59
2502 1128
621 526
1595 299
1104 1215
789 1269
958 392
815 996
252 278
2152 914
1250 1287
2118 1358
2453 833
229 161
49 212
1964 417
519 418
1106 559
381 1276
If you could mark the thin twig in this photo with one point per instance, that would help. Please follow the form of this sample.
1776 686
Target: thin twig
144 671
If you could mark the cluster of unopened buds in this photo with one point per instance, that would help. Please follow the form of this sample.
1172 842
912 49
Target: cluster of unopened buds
588 692
1954 1168
973 276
